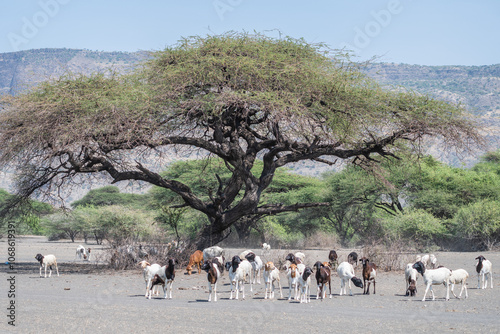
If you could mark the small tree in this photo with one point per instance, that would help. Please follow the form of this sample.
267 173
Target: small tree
62 223
171 217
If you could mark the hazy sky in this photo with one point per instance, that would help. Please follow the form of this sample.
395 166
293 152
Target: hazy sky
426 32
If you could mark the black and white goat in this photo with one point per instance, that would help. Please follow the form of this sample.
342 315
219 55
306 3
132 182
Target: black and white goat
238 272
411 276
305 285
257 265
484 272
434 277
352 258
165 277
47 261
345 270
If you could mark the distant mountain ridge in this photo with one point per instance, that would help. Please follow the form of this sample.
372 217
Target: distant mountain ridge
24 69
477 87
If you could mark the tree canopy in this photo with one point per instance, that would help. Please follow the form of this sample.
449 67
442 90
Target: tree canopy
237 96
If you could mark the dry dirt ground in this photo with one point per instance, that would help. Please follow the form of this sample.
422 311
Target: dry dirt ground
89 299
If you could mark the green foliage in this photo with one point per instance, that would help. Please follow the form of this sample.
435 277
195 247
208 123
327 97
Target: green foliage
62 225
26 214
490 162
278 233
115 223
442 189
416 226
111 195
171 218
479 224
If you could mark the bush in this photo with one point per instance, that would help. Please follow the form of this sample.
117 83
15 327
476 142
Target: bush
418 226
479 224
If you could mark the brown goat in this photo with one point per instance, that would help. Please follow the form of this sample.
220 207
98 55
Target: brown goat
333 258
195 259
412 288
369 274
323 277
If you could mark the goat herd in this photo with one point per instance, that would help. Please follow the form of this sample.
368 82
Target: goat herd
247 267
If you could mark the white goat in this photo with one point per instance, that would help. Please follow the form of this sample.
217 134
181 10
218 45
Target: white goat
292 273
428 260
432 261
434 277
47 261
345 270
300 256
237 274
459 276
305 285
484 272
411 276
257 265
266 248
271 275
148 272
82 252
211 252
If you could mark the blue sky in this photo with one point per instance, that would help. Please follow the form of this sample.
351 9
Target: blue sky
426 32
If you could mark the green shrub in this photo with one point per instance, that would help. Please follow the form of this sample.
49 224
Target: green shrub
418 227
479 224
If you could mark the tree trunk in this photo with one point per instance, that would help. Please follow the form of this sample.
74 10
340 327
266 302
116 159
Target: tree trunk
210 236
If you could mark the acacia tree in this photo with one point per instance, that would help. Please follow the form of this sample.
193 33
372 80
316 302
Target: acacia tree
237 96
204 175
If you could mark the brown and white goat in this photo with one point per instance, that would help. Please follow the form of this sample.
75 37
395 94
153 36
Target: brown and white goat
333 259
213 275
195 259
292 274
412 288
296 258
411 276
323 277
369 274
148 272
82 253
271 275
